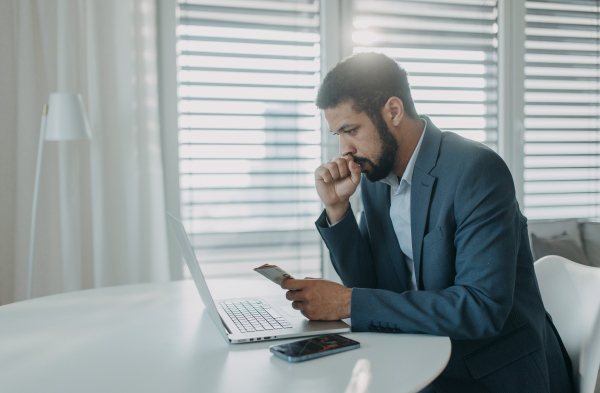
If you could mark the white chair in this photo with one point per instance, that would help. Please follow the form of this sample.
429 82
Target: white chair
571 294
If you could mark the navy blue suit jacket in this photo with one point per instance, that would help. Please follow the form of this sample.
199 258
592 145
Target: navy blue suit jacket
473 266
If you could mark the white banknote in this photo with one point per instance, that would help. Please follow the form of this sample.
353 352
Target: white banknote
273 273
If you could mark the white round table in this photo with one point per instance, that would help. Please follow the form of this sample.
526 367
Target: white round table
158 338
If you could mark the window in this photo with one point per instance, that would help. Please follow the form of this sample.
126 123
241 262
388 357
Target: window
562 123
249 133
450 50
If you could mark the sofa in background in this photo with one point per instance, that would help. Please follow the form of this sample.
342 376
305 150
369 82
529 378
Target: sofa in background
574 239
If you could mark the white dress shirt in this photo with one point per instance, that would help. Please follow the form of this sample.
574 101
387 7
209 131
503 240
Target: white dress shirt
400 208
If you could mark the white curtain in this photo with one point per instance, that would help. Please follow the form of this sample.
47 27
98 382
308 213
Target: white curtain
101 215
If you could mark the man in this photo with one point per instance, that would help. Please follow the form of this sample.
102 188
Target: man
441 246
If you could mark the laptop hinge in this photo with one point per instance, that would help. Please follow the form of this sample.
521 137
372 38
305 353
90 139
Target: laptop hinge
225 326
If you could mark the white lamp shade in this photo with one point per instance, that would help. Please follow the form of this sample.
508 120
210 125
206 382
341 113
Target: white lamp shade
66 118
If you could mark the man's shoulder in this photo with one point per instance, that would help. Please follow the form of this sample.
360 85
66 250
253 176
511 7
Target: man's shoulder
467 168
461 148
458 154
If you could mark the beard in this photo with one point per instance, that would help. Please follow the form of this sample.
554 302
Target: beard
386 159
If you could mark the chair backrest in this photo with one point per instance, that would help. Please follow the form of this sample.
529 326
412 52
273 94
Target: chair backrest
571 295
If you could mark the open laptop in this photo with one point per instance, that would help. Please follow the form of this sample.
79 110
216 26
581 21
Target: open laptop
251 319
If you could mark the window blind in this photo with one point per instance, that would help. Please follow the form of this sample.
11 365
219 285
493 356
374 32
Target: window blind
249 133
450 50
562 127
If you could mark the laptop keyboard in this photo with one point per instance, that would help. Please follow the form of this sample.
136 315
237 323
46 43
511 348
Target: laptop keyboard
254 316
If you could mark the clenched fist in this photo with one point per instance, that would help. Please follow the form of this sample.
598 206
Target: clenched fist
336 181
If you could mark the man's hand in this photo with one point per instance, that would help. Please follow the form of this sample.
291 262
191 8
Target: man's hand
336 181
318 299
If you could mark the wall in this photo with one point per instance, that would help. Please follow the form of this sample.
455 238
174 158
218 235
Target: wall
8 157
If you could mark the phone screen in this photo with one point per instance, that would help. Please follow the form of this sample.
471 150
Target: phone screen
314 347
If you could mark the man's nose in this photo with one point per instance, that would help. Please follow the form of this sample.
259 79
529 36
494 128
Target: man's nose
345 146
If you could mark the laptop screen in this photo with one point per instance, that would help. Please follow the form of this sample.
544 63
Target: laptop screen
197 276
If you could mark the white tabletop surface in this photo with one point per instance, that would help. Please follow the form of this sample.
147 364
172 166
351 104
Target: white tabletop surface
158 338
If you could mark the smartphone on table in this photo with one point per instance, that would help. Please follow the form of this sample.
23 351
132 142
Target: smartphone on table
314 347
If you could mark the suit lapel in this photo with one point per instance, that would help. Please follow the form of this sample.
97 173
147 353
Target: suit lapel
396 255
420 194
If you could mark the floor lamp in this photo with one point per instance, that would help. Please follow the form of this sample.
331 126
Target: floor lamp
63 119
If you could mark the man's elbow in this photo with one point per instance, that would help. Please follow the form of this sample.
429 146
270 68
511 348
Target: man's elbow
483 317
490 322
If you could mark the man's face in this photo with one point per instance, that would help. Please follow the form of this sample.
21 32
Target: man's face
373 146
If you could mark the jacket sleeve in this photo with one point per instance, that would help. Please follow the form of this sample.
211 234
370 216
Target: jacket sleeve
486 240
349 249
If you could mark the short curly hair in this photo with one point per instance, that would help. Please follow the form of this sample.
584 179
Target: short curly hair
369 80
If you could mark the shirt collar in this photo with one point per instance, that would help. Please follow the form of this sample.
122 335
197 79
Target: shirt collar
392 179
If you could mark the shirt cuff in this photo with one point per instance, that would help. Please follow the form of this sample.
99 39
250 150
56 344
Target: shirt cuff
332 225
328 223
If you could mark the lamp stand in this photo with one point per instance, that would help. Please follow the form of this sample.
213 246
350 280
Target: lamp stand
35 202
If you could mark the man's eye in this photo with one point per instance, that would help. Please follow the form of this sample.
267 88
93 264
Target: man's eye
335 133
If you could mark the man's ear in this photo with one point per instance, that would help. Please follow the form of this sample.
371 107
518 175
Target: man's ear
393 111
